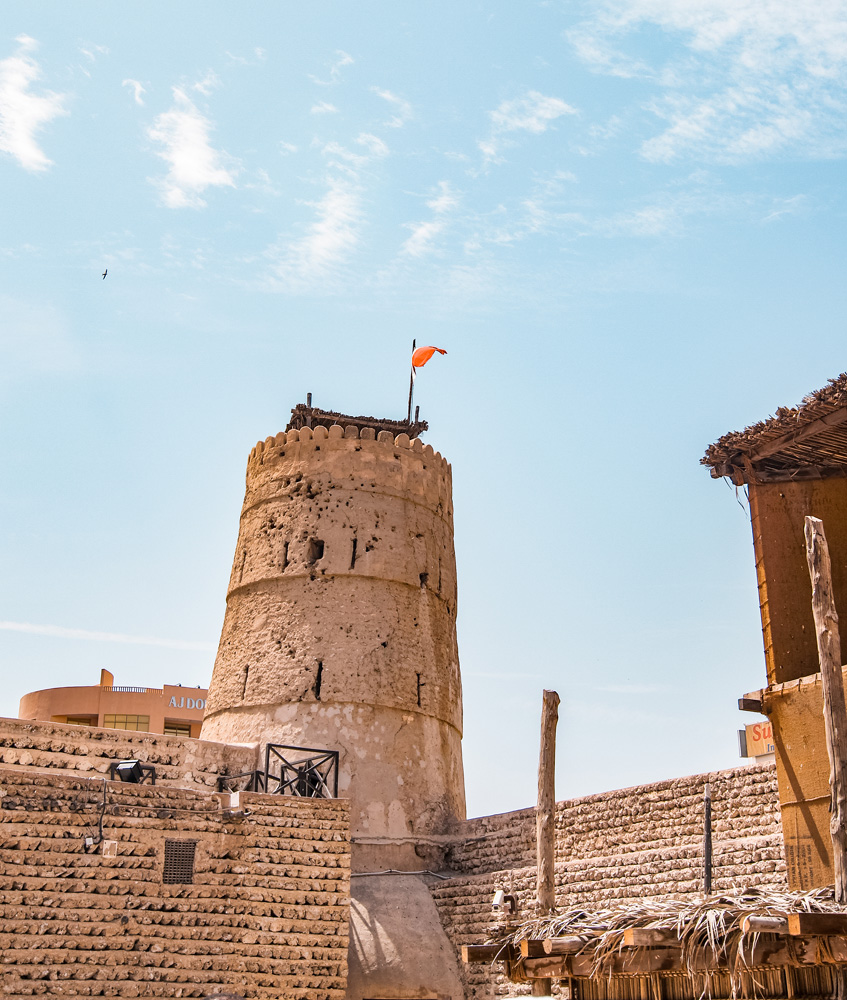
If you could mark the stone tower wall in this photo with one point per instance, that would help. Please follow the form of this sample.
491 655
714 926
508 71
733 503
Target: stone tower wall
340 628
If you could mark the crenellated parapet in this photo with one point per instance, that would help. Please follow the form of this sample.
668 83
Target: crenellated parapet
319 445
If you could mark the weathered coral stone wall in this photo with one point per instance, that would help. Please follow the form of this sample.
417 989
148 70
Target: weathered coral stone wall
265 916
340 628
86 750
636 843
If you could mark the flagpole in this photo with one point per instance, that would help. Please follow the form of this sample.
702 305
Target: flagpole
411 388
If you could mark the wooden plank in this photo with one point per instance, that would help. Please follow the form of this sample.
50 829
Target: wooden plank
773 953
545 813
567 944
475 953
801 924
834 710
748 704
755 923
532 949
650 937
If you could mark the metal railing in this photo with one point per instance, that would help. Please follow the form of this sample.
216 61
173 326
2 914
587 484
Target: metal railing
288 772
132 690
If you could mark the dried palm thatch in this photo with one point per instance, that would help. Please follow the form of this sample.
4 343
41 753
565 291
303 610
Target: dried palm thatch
708 930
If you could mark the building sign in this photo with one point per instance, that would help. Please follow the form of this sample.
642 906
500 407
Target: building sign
189 703
759 739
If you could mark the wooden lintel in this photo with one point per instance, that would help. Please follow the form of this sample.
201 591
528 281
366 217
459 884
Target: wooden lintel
532 949
651 937
802 924
755 923
749 704
739 475
476 953
567 944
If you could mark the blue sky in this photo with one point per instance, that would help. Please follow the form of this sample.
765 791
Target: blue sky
623 220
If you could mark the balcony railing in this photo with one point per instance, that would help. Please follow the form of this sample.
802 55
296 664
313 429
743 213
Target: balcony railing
288 772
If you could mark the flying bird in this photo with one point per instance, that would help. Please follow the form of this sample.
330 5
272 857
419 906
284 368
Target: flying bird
105 273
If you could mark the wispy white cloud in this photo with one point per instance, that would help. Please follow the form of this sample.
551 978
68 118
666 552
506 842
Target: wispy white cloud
533 113
323 108
342 59
329 240
23 113
756 78
795 205
137 89
259 56
424 233
320 257
211 81
91 52
59 632
402 108
194 165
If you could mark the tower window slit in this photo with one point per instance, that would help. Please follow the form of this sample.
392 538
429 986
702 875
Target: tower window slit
315 551
284 556
353 556
318 679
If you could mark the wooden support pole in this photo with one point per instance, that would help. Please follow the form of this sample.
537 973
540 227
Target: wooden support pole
834 711
707 840
545 813
411 388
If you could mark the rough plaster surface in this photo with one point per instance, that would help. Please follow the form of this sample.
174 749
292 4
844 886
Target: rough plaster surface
265 916
340 627
634 843
398 948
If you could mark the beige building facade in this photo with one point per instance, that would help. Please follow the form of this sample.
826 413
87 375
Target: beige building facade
172 710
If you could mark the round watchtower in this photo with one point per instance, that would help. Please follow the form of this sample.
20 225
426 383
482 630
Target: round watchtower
340 626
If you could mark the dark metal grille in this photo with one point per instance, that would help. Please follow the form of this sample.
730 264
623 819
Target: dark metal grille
179 861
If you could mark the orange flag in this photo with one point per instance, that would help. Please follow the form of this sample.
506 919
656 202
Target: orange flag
423 354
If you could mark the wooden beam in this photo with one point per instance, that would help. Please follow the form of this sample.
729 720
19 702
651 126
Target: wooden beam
802 924
532 949
477 953
567 944
769 953
748 704
755 923
545 813
834 710
650 937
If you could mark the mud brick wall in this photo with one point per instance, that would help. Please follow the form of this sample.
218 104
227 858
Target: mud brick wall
633 843
265 915
86 750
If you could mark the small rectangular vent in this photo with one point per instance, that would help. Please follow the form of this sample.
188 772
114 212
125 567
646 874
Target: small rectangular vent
179 861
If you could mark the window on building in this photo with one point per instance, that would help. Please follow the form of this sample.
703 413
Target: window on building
81 720
177 728
140 723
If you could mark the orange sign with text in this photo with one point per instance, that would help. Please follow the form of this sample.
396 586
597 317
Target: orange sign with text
759 739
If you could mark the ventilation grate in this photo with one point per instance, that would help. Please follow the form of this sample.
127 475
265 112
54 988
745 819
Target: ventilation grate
179 861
